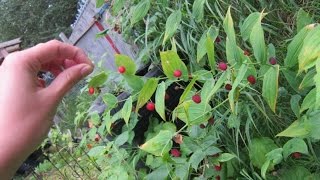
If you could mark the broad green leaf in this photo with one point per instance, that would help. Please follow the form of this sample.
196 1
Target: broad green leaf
135 82
99 3
206 90
294 48
295 145
118 5
98 80
160 173
270 87
275 156
294 103
187 90
203 75
312 124
224 157
317 83
292 78
146 92
208 96
127 109
210 53
196 158
97 151
310 50
258 148
160 100
139 11
198 10
95 118
308 80
192 113
242 72
303 19
296 129
107 119
170 61
264 169
127 62
182 171
231 46
201 47
172 25
295 173
110 100
309 101
271 51
122 138
160 144
258 43
248 24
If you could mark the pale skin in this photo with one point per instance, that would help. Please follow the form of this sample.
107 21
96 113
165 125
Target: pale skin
26 108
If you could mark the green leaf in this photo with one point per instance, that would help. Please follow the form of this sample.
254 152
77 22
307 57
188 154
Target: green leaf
139 11
98 80
275 156
258 43
160 100
224 157
160 173
309 101
122 138
192 113
294 48
196 158
231 46
187 90
135 82
303 19
296 129
118 5
182 171
146 93
242 72
295 145
97 151
264 169
316 79
127 62
95 118
294 102
248 24
201 47
258 148
292 78
172 25
270 87
198 10
210 53
271 51
295 173
308 80
207 96
160 144
110 100
99 3
170 61
126 110
310 50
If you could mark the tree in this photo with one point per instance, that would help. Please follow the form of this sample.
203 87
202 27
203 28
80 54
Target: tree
35 21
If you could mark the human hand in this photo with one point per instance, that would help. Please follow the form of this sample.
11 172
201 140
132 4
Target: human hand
26 108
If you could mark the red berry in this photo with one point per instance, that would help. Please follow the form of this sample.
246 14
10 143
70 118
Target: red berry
177 73
175 153
202 126
91 90
246 53
211 121
121 69
196 98
228 87
167 97
251 79
223 66
217 168
273 61
296 155
218 40
150 106
97 138
218 177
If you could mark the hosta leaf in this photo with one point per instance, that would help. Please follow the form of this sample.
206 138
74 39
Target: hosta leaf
146 93
98 80
172 25
258 43
310 50
127 62
295 145
248 24
294 48
198 10
160 100
170 61
270 87
303 19
127 109
160 144
139 11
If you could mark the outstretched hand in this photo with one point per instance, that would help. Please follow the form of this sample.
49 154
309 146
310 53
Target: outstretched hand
27 108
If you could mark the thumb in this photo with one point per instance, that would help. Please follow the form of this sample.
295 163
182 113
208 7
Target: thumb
67 79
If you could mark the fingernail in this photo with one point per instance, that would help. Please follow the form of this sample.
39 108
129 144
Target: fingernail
86 70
